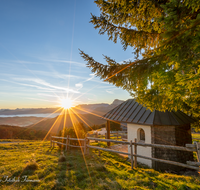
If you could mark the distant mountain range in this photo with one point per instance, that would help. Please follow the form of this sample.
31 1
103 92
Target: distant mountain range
91 113
23 111
101 108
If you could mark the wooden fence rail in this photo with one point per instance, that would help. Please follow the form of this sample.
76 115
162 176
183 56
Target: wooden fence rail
108 140
189 147
117 134
67 143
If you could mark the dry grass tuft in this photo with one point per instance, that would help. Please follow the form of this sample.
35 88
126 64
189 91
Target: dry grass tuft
31 165
62 158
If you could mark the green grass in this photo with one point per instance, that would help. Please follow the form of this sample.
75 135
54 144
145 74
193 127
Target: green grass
108 171
196 137
12 140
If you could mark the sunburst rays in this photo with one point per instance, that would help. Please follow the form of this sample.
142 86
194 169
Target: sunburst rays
66 103
75 118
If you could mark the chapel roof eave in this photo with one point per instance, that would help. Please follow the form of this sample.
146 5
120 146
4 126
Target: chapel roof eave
131 111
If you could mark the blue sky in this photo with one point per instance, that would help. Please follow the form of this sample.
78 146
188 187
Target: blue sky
39 56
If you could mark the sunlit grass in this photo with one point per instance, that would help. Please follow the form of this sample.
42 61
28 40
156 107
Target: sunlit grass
77 171
196 136
108 171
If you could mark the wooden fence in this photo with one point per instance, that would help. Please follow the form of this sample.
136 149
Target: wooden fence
115 134
67 143
133 155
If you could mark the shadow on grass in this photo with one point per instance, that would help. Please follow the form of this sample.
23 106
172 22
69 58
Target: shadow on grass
107 171
19 177
75 173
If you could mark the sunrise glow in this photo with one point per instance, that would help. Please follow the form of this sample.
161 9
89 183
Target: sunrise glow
66 103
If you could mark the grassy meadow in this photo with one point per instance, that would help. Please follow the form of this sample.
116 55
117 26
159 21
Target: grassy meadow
196 137
40 163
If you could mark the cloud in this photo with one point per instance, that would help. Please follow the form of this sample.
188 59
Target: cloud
88 79
43 85
56 74
48 95
109 91
53 74
42 99
46 84
92 76
79 85
64 61
23 84
23 62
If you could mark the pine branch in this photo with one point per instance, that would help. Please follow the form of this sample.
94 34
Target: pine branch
129 37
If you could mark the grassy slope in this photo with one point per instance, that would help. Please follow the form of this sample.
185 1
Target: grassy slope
196 136
48 123
108 171
6 131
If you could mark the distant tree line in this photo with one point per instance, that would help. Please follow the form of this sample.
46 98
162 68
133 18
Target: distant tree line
14 132
79 130
113 126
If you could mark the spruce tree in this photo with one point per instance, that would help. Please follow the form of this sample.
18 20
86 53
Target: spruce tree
166 33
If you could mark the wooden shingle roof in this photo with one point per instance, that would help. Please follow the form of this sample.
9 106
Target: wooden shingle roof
132 112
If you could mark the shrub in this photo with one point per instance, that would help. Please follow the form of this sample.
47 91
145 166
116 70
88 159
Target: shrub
62 158
31 165
78 131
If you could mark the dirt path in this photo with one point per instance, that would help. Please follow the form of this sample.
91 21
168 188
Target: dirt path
5 142
122 148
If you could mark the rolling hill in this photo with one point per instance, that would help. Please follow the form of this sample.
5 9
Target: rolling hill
15 132
19 121
69 120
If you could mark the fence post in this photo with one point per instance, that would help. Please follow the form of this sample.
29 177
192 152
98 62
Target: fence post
66 144
198 150
108 131
131 147
96 136
105 135
88 149
135 152
51 140
85 141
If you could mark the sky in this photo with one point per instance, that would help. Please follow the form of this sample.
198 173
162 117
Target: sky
39 57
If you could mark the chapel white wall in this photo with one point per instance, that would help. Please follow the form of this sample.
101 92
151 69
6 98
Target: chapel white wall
132 130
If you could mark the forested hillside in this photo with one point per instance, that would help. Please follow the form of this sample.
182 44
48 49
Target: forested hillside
19 121
57 123
15 132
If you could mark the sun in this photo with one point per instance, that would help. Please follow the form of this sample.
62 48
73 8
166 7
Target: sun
66 103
